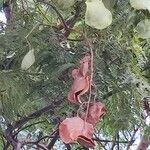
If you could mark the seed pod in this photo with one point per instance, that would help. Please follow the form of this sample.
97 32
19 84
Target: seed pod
97 15
28 60
143 29
140 4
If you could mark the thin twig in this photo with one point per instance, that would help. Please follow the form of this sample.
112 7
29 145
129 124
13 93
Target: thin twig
131 139
111 141
44 15
99 141
91 77
53 141
117 137
68 146
75 40
124 134
32 30
58 13
43 147
29 126
26 37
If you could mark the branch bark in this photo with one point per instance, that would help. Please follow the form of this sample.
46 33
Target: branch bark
132 137
53 141
13 128
111 141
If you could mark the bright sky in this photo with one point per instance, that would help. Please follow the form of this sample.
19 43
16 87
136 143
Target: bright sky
2 17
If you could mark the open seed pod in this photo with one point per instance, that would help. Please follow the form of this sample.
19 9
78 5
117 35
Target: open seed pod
75 129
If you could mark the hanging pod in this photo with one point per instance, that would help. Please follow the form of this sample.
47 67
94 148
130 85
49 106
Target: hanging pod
143 29
28 60
97 15
140 4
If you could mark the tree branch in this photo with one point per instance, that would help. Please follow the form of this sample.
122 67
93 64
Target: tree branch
117 137
10 131
58 13
36 114
132 137
53 141
116 141
29 126
68 146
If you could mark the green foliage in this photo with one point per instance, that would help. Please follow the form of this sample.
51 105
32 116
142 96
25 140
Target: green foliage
13 89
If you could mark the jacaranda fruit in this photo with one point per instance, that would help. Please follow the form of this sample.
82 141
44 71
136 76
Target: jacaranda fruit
97 15
140 4
28 60
76 129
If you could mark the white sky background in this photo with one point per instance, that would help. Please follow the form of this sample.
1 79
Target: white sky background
2 17
133 147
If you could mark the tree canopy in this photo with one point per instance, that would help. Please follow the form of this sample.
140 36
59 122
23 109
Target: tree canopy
45 47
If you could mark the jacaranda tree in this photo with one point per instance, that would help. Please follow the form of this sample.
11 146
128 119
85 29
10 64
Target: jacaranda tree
74 74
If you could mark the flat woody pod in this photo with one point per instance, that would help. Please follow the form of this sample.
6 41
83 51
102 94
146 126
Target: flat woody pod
81 82
96 112
75 129
79 87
